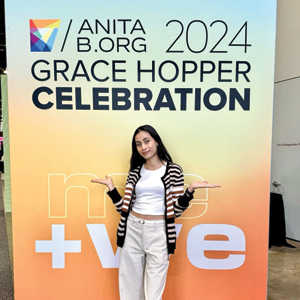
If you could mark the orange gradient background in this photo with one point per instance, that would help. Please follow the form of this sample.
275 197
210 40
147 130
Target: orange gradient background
230 148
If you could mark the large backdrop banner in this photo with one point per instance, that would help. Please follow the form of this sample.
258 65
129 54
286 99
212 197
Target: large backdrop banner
82 76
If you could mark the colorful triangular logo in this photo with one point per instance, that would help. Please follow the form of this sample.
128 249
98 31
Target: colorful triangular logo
43 34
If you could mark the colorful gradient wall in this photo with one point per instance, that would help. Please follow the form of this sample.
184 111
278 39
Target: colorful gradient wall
82 76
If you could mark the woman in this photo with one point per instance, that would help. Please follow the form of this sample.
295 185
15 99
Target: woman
154 197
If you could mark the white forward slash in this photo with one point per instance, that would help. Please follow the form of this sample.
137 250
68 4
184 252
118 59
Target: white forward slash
58 246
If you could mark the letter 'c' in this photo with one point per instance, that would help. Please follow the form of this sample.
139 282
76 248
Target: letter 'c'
35 97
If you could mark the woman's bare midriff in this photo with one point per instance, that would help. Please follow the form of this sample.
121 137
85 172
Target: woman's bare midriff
147 217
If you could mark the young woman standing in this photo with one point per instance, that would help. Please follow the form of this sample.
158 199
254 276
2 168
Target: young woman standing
154 197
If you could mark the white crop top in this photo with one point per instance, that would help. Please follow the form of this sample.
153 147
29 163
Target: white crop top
150 192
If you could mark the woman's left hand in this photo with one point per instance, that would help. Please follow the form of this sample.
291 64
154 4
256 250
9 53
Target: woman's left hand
201 184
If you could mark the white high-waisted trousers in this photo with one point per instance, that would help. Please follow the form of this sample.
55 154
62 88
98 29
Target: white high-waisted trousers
144 260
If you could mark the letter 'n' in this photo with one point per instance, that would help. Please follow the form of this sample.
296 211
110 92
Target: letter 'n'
67 192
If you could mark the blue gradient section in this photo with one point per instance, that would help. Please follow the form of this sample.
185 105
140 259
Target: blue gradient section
51 39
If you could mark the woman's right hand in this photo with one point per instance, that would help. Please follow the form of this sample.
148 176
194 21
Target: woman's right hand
106 181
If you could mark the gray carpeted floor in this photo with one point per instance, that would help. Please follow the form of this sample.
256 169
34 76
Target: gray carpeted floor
6 285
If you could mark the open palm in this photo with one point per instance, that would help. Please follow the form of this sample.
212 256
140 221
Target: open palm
203 184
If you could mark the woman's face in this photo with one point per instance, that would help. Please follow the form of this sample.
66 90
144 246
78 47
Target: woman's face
146 145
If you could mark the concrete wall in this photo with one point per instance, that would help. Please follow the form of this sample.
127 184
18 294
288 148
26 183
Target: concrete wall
286 122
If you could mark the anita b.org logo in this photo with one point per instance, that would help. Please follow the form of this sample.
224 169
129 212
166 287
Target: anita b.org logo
43 34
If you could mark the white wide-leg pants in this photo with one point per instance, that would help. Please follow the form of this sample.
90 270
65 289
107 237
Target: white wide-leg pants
144 260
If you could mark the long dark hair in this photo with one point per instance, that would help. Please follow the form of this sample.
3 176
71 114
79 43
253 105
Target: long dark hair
162 152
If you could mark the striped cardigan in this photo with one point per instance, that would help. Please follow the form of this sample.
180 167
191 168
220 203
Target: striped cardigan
176 201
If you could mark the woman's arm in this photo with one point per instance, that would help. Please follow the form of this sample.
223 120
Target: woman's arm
112 193
201 184
182 201
105 181
188 194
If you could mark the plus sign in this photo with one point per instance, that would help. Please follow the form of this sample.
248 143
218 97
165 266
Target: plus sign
58 246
